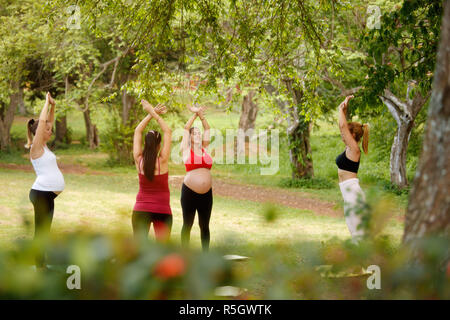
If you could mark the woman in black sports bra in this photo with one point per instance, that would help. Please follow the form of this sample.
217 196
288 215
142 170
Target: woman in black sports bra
348 165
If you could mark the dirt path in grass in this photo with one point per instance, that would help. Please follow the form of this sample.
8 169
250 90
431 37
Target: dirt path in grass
225 188
293 199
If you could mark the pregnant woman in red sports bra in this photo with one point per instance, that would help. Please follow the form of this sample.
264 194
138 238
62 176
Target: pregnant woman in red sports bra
153 198
196 192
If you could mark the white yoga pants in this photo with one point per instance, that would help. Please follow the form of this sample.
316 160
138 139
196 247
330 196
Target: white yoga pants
354 202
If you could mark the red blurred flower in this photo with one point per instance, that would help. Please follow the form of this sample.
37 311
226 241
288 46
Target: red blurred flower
172 265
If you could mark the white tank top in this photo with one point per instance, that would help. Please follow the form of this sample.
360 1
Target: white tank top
49 177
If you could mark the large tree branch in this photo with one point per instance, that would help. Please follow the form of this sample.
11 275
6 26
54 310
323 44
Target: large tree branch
411 85
116 63
344 91
393 109
409 109
104 66
418 102
401 107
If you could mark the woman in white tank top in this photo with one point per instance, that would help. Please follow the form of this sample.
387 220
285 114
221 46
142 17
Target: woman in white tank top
49 181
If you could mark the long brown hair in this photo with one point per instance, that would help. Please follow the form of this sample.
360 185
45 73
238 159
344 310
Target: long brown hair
152 141
360 131
31 131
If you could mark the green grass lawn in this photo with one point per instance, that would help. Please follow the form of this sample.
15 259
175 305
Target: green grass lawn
104 202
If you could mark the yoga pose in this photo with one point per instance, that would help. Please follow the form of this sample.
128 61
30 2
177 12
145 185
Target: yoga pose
50 181
153 198
348 164
196 192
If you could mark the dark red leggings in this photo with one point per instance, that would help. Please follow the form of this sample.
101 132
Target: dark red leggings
162 223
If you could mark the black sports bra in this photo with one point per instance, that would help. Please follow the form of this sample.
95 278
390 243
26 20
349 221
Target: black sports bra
345 163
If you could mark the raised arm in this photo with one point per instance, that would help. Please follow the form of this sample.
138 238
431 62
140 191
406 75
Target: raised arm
186 134
137 139
167 139
139 130
51 115
343 127
37 148
206 128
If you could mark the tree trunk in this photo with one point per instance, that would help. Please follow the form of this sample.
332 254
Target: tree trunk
7 116
127 103
249 112
61 132
91 130
21 106
428 211
298 132
404 113
300 151
398 154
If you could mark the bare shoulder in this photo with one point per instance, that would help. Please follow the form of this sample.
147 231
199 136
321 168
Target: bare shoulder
353 153
36 152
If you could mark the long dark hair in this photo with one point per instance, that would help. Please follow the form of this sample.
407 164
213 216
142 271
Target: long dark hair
152 141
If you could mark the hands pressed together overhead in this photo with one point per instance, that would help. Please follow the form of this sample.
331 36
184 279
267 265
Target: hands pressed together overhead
344 104
162 109
159 109
49 99
199 110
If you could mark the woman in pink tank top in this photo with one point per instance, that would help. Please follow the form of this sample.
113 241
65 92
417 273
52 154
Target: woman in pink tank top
153 199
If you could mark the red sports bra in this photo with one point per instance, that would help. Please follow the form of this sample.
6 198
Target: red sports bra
195 161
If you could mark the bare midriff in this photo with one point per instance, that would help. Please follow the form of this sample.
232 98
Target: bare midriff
345 175
198 180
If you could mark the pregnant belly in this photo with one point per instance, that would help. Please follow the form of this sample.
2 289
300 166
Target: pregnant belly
53 182
198 180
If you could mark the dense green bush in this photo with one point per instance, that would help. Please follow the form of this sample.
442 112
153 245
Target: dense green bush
118 142
117 138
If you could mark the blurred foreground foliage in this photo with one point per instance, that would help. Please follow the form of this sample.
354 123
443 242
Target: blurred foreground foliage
117 267
122 267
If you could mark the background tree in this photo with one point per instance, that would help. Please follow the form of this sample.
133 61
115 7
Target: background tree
249 111
401 55
18 44
429 202
266 44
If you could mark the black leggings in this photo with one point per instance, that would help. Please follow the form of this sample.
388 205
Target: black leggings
43 203
192 201
162 223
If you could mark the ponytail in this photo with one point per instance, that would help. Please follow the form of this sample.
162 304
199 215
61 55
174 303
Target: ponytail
152 140
365 142
31 131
